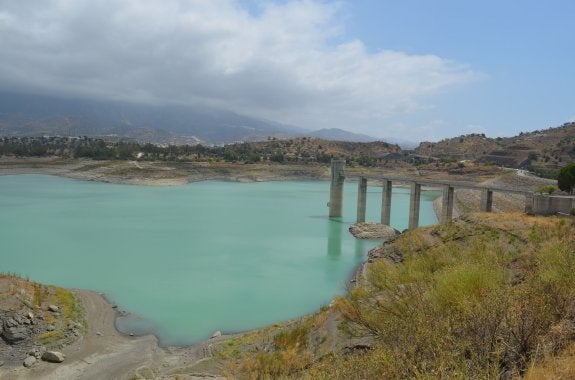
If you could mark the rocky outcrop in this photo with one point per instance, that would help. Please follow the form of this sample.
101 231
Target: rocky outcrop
371 230
15 334
32 322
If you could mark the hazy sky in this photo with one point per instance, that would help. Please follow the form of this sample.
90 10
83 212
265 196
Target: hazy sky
403 68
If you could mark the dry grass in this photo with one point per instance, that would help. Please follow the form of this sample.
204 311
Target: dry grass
559 367
491 296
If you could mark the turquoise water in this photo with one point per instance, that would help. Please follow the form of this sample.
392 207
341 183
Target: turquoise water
193 259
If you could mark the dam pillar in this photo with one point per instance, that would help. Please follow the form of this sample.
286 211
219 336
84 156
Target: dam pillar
486 200
447 204
361 199
414 205
386 202
336 188
529 203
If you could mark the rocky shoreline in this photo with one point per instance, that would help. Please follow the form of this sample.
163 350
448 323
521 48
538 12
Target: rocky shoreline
102 352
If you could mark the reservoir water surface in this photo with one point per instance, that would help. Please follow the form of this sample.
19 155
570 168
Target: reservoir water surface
192 259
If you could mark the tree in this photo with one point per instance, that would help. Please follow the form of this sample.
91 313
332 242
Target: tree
566 178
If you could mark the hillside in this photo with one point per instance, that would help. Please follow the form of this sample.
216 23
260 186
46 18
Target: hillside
323 150
35 318
539 150
488 296
340 135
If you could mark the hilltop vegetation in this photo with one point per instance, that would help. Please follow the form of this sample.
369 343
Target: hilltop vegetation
489 296
297 150
541 151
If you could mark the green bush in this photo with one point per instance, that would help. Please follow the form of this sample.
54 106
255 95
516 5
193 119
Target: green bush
548 189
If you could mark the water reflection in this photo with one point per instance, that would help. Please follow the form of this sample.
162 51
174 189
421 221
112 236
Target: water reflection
361 246
335 227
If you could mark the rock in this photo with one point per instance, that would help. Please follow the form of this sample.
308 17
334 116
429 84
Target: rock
98 333
50 328
29 361
15 334
1 363
216 334
30 316
11 322
37 352
53 356
72 324
370 230
53 308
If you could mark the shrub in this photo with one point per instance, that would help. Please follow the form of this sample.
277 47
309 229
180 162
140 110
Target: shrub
548 189
566 178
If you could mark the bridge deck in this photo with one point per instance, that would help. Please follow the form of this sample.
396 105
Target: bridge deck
439 183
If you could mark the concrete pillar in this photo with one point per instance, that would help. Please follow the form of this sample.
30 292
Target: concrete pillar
529 203
386 202
414 205
447 204
486 200
361 199
336 188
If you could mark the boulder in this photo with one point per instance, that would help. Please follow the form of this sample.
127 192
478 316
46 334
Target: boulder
53 308
11 322
15 334
216 334
53 356
29 361
371 230
37 352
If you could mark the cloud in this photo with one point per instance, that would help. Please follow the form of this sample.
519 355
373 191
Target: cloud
282 62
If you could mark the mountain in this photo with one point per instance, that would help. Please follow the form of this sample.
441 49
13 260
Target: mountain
26 115
321 149
545 149
337 134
